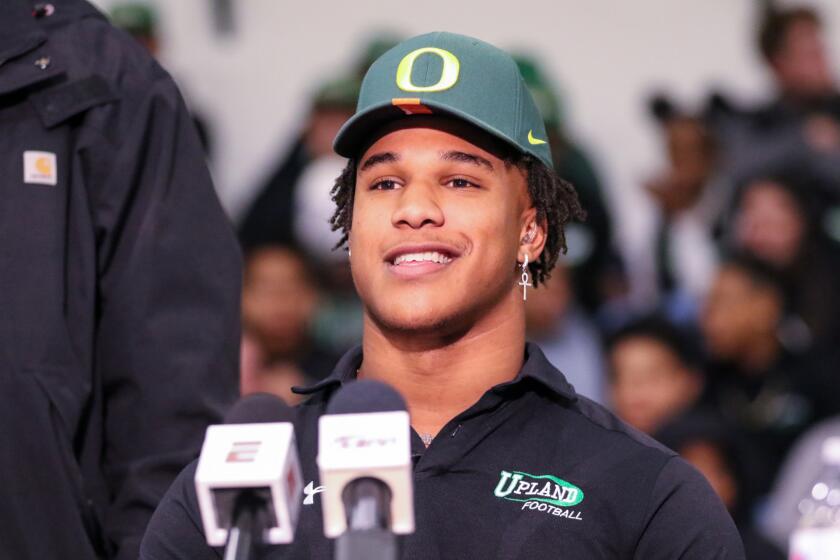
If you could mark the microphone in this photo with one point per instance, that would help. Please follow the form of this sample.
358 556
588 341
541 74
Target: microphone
248 478
364 461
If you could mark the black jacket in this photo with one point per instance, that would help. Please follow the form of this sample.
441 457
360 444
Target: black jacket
119 286
494 484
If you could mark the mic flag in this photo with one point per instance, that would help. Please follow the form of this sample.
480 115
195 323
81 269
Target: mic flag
365 434
253 453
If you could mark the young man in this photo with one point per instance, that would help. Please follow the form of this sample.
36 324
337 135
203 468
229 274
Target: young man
449 207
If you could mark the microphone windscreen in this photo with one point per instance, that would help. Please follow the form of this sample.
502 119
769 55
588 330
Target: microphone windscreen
259 408
364 396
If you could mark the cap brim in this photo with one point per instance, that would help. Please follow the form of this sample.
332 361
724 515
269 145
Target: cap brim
358 131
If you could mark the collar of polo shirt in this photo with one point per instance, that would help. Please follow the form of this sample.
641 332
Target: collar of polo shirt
536 367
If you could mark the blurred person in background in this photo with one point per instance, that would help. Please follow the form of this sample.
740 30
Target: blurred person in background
279 302
780 221
338 321
755 380
690 196
714 449
594 266
140 20
570 341
792 44
800 127
119 286
294 208
654 374
272 216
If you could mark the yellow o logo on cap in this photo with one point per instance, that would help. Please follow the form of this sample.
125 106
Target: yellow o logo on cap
448 76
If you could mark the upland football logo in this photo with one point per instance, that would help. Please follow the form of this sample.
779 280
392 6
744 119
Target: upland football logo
544 492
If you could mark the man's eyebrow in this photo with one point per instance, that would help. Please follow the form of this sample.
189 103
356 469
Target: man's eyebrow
376 159
467 158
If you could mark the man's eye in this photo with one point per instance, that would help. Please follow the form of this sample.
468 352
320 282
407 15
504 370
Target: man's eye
384 185
460 183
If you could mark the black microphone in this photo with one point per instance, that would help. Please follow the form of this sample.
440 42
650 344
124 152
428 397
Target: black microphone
248 478
259 408
364 460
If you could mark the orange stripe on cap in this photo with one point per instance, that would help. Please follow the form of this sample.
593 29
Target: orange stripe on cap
411 105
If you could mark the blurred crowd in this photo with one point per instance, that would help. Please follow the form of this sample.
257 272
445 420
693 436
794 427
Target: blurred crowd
733 365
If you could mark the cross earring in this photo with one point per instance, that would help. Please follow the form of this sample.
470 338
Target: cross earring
525 280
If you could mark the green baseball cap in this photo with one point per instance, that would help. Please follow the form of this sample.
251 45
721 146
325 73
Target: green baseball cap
538 84
341 93
448 74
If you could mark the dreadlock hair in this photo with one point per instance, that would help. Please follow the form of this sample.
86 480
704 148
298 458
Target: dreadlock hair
554 198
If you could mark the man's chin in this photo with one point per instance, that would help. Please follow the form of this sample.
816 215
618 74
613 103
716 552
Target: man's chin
418 323
444 316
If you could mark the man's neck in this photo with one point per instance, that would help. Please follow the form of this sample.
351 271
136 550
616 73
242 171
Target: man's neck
441 376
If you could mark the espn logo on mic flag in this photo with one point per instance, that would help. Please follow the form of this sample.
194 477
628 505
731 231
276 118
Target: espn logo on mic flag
243 452
259 456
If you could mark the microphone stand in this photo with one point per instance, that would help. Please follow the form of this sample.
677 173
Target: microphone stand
367 502
246 530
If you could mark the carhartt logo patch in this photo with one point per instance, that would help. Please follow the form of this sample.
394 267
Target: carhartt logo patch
543 492
39 168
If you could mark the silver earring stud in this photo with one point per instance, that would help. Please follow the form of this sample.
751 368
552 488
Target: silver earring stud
525 280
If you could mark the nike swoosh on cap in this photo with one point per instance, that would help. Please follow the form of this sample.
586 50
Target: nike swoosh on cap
534 141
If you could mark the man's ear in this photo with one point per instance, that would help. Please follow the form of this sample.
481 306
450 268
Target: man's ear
532 236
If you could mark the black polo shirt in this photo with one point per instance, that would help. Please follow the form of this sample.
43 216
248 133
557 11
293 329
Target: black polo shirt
531 470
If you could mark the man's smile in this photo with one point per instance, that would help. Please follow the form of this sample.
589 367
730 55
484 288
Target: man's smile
415 260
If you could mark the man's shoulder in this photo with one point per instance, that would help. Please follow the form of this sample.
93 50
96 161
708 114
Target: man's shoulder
584 418
88 43
111 64
677 514
597 421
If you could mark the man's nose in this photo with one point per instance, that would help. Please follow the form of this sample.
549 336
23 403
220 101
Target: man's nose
418 205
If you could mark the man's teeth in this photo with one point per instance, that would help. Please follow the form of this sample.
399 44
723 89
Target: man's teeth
432 256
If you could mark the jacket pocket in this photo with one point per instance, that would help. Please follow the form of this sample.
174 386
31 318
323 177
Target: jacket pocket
67 391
